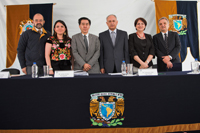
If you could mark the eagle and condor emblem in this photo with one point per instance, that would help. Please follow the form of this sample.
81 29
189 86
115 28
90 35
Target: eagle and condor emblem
107 109
25 25
178 23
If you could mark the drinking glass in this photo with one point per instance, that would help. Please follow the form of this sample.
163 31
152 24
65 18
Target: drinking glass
129 69
46 70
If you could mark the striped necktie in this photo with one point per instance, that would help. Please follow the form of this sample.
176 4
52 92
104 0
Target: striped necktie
166 43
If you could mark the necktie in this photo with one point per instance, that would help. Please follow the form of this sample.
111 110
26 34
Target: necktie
86 43
166 43
39 31
113 37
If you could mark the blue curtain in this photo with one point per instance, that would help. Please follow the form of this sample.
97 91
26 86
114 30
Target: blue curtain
46 11
189 8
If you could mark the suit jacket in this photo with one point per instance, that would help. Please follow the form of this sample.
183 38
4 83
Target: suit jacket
174 47
136 48
80 54
110 55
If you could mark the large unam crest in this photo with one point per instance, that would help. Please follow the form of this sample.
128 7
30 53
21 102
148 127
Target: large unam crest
25 25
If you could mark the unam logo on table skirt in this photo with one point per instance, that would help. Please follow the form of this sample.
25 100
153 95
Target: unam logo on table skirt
107 109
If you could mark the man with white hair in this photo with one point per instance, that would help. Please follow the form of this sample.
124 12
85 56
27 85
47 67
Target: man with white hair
114 47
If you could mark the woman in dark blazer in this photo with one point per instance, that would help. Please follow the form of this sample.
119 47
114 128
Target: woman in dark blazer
141 46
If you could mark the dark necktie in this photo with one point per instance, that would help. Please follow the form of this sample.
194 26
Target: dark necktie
166 43
113 37
86 42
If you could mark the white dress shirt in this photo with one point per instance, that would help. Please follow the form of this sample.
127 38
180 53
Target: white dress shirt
38 30
86 38
115 31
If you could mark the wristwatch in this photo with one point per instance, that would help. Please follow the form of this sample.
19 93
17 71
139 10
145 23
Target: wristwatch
50 69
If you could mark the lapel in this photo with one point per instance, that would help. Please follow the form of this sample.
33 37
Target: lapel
162 39
80 36
90 42
109 38
43 31
169 36
147 39
117 37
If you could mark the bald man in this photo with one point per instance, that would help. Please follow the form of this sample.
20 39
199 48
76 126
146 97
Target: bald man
114 47
31 46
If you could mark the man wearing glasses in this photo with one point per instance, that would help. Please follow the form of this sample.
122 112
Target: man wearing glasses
31 46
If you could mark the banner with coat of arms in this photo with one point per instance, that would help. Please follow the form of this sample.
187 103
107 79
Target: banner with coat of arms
19 19
182 17
178 23
25 25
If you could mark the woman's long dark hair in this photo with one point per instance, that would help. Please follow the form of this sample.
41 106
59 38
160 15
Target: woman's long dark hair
65 37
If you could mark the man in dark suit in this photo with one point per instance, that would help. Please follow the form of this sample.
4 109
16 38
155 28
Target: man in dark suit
167 46
114 47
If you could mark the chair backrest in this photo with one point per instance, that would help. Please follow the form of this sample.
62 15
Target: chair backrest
11 70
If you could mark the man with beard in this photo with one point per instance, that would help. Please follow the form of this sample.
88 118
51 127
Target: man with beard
31 46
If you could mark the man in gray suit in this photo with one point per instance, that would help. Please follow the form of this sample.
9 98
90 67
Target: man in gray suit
86 48
114 47
167 46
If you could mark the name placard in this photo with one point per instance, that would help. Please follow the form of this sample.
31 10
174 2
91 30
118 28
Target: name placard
145 72
4 75
59 74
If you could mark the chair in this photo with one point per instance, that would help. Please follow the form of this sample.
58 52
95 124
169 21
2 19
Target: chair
11 70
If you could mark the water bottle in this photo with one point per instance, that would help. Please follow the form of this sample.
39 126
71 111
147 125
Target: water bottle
195 66
34 70
123 68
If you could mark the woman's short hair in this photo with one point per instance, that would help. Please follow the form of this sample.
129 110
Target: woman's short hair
142 19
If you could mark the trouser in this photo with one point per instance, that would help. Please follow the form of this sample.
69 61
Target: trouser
115 70
61 65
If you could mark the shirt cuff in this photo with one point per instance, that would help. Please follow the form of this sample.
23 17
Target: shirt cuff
170 57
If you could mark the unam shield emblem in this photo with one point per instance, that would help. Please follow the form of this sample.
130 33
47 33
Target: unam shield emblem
178 23
107 109
25 25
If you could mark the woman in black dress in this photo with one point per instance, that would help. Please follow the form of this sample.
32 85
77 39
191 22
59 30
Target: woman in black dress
141 46
58 49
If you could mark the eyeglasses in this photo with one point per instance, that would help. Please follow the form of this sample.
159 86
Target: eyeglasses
36 20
